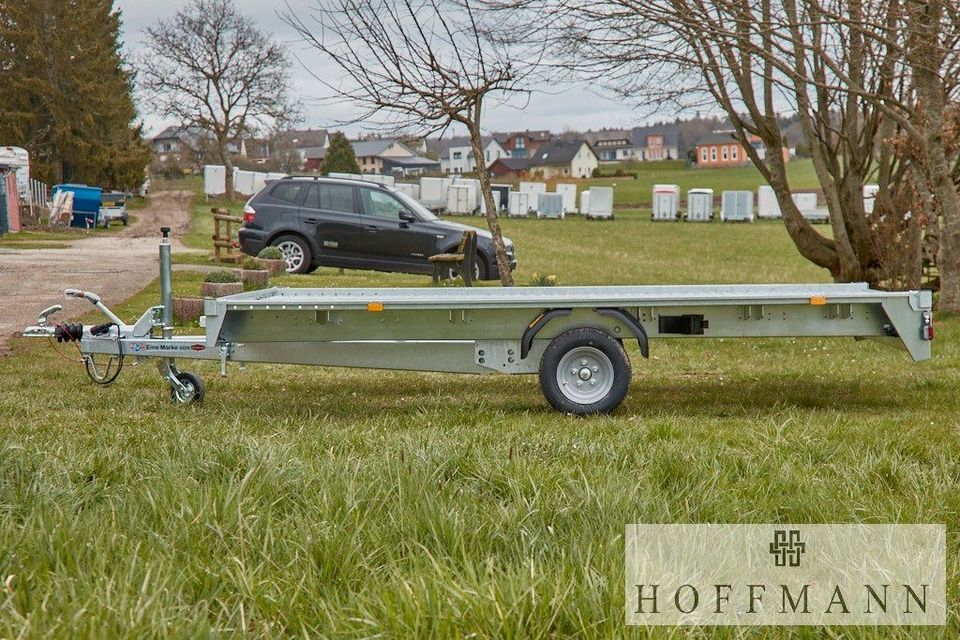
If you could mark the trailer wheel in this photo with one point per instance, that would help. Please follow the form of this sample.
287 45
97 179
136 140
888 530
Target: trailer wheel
585 371
195 389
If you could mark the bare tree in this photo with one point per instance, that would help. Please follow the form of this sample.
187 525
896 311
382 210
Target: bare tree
838 64
418 66
209 67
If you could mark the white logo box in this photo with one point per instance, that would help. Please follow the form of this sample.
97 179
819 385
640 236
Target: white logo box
785 574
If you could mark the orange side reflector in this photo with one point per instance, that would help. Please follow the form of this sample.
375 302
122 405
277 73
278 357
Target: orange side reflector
374 306
818 301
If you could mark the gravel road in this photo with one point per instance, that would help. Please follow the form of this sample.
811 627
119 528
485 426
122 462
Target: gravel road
115 266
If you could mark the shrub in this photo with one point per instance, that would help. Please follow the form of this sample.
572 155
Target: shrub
252 264
221 276
537 280
596 173
270 253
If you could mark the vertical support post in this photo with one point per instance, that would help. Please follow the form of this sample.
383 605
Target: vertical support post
166 283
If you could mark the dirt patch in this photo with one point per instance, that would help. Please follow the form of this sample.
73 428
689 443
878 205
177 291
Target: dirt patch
115 266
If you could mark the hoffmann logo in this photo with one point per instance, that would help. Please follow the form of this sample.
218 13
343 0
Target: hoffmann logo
785 574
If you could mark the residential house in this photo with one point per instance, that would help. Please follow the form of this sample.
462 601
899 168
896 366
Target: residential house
721 149
657 142
456 154
611 145
188 145
555 159
310 144
389 156
522 144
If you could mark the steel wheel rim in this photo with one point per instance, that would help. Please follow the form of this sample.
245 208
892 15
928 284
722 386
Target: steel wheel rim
292 255
453 273
185 396
585 375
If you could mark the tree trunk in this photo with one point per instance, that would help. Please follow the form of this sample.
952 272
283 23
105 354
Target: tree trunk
926 61
493 222
224 151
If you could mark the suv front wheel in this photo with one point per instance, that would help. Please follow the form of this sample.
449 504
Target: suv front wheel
479 269
296 253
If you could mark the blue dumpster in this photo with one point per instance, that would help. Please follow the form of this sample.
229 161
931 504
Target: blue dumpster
86 204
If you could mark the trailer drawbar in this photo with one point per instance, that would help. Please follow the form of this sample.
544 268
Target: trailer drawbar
572 337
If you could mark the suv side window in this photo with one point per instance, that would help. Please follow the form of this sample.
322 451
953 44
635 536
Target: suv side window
330 197
287 191
380 204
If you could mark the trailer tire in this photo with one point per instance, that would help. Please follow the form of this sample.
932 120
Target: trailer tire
192 381
585 371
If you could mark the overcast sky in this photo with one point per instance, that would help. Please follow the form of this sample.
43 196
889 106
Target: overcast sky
567 107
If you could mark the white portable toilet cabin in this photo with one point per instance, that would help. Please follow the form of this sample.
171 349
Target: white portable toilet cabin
666 202
585 201
519 204
461 199
550 205
699 205
736 206
601 203
768 207
214 180
870 192
569 194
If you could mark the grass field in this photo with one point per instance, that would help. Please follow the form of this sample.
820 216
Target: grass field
319 502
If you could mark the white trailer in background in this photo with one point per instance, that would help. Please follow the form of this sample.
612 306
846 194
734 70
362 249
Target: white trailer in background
244 183
461 200
585 201
412 190
496 202
378 178
699 205
807 204
532 188
273 175
870 192
601 203
477 191
501 194
736 206
344 176
520 204
18 159
433 193
768 208
550 205
259 181
569 193
666 202
214 180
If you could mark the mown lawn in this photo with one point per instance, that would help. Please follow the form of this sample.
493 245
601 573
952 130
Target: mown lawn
321 502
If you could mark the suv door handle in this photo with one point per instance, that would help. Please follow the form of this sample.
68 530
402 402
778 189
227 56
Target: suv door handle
311 220
372 227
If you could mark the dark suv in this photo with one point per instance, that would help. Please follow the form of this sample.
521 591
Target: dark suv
360 225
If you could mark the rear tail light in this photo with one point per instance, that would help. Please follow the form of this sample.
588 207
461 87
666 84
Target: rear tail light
249 214
926 329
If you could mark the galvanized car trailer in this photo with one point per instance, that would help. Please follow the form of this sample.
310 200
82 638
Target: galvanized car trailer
571 336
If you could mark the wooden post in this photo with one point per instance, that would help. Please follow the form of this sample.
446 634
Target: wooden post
224 240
